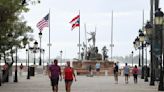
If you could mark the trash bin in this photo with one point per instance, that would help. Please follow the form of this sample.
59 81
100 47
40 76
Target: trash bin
32 70
5 76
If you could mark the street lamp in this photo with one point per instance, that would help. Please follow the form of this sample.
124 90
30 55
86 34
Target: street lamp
43 58
134 44
149 33
61 52
16 68
146 69
34 50
28 70
159 24
10 37
26 56
149 29
158 17
137 42
40 59
142 38
132 58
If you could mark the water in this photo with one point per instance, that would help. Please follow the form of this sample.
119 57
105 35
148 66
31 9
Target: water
33 64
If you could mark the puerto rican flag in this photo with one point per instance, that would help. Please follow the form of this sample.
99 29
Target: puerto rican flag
75 22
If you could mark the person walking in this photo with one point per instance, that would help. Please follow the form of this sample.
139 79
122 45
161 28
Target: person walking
54 72
115 71
90 70
135 73
21 69
97 68
126 72
68 76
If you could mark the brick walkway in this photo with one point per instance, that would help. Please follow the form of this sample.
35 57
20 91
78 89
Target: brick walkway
41 83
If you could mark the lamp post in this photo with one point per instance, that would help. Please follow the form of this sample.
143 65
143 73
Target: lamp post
158 25
142 38
34 50
28 66
26 56
137 42
132 58
61 52
40 59
10 35
0 72
16 68
149 33
43 58
146 69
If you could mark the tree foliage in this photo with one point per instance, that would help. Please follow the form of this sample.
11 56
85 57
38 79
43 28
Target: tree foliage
11 23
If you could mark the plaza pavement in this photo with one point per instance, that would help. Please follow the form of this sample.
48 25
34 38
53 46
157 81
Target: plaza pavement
41 83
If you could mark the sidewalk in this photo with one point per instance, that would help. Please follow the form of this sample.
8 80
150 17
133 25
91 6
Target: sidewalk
41 83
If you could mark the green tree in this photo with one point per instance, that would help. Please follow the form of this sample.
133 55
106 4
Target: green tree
11 23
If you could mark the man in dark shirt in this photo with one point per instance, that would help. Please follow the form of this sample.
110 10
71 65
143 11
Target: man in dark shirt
54 73
115 70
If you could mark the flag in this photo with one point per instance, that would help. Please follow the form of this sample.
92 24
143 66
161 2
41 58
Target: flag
75 22
43 23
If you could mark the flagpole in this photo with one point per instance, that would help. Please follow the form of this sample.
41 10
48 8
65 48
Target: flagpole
112 45
79 36
85 40
95 38
49 37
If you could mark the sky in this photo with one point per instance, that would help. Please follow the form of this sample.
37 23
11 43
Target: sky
127 20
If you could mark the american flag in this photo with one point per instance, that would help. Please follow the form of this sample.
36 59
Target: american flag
75 22
43 23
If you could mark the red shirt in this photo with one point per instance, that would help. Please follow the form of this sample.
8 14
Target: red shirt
68 71
135 71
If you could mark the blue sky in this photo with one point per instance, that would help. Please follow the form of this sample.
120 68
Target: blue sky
127 21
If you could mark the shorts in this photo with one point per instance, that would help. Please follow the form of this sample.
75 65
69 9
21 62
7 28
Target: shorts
135 76
98 69
116 74
126 75
70 80
54 81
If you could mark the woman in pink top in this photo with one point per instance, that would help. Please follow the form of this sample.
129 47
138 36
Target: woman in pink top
135 73
68 77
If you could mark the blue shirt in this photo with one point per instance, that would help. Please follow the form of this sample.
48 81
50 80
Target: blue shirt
126 70
97 65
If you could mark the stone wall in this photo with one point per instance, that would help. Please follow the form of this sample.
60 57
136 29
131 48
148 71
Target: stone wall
81 67
85 64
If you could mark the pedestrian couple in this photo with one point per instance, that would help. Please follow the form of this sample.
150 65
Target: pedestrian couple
54 72
126 70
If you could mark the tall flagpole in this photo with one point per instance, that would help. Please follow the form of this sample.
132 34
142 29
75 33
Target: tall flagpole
49 38
95 37
112 45
85 40
79 36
